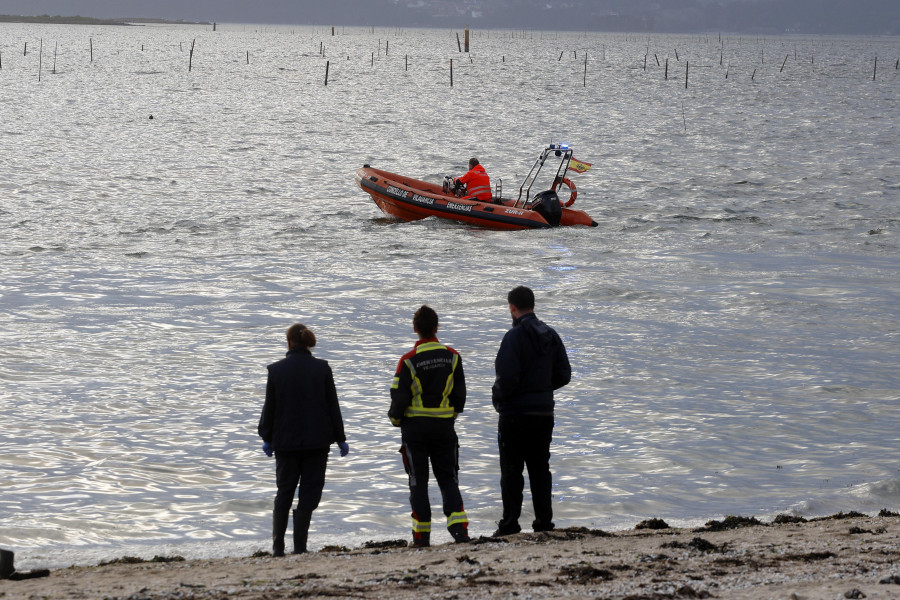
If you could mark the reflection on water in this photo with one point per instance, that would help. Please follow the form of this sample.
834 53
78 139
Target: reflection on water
732 322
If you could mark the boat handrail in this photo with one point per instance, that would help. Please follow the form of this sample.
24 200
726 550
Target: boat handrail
563 152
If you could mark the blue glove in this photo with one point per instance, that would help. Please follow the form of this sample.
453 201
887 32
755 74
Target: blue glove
345 449
267 448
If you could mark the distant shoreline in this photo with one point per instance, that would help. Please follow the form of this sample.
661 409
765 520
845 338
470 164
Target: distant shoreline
78 20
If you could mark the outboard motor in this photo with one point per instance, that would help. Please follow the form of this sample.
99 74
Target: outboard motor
548 206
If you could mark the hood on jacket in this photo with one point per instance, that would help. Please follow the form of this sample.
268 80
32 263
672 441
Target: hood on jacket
539 334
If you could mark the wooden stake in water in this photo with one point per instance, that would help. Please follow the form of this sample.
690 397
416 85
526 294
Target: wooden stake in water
327 65
191 56
687 64
40 58
92 49
451 72
784 63
467 38
56 48
667 70
875 71
585 69
458 45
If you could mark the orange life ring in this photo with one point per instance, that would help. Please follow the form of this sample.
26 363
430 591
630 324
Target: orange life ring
573 193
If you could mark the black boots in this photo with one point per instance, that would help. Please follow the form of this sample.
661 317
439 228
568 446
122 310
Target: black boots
421 539
459 532
279 526
301 530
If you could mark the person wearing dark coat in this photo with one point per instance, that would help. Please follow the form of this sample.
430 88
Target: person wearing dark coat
300 420
531 364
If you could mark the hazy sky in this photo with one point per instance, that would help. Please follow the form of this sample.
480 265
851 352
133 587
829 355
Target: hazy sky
772 16
240 11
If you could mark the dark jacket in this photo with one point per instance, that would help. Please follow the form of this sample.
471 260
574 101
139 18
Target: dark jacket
429 382
301 411
530 364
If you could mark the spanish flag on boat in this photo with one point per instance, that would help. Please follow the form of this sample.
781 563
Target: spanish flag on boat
578 166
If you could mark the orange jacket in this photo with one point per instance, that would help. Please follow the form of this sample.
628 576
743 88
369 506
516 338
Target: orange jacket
478 183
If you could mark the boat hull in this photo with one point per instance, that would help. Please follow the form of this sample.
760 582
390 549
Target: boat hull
412 199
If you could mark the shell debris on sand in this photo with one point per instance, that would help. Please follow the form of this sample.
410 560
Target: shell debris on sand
837 557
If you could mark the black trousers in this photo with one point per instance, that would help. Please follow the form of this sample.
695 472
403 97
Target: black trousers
524 442
427 438
304 470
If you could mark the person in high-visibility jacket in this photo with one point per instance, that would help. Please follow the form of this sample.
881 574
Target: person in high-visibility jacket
427 393
478 184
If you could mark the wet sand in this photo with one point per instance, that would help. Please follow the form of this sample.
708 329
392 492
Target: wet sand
841 556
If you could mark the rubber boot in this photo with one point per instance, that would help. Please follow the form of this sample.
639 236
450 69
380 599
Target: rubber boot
459 532
301 530
421 539
279 526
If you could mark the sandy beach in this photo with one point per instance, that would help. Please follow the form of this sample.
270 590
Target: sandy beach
843 556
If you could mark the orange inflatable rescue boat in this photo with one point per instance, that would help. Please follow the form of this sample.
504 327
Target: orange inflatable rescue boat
411 199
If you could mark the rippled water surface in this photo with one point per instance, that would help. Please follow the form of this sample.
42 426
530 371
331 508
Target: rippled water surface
732 322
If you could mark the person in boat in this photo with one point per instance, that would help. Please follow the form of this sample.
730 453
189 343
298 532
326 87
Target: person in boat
477 182
531 364
300 420
427 393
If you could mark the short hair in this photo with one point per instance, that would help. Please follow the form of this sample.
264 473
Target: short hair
521 297
473 161
425 321
298 336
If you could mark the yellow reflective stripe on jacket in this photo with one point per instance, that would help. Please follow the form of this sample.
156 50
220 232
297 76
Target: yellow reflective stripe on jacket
457 518
416 407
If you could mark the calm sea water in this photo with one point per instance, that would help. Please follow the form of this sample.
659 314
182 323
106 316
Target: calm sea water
732 323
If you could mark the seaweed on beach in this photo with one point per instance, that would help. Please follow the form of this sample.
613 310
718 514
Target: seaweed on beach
840 516
652 524
488 540
807 557
698 544
584 531
585 573
886 513
729 522
372 545
339 549
684 591
788 519
134 560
